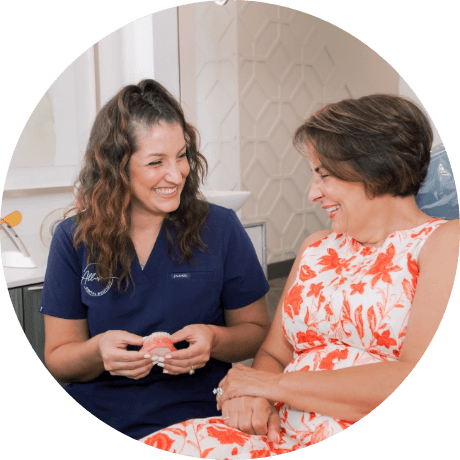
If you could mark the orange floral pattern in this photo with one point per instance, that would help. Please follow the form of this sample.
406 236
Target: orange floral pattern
348 306
293 300
160 441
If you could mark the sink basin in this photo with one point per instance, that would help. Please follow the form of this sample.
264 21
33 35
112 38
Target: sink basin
228 199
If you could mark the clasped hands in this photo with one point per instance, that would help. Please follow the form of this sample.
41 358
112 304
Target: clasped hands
245 403
133 364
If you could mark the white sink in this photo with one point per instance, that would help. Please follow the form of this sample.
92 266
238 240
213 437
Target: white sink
228 199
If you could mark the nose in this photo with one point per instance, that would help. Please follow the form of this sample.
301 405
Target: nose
173 173
315 193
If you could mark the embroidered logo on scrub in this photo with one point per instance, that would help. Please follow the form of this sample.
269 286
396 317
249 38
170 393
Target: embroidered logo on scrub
91 283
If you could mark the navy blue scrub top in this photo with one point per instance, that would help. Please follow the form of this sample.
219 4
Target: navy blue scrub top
165 297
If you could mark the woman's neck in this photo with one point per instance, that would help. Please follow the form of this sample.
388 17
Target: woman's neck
390 214
145 222
144 232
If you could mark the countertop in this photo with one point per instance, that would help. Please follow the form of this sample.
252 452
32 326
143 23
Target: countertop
38 210
17 277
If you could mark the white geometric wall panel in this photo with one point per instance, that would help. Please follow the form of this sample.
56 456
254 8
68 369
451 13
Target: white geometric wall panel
217 92
260 70
285 72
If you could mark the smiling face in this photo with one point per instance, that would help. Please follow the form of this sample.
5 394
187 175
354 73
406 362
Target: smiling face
346 203
158 169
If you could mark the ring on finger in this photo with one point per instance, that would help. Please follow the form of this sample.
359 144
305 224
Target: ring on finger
191 371
218 391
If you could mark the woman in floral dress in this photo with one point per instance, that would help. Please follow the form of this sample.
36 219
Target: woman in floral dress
363 299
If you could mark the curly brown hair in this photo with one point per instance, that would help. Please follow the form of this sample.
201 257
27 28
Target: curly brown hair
103 191
381 140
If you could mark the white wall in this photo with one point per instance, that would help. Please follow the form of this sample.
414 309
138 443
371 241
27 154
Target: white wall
292 63
250 72
406 90
47 158
58 129
209 80
146 48
257 72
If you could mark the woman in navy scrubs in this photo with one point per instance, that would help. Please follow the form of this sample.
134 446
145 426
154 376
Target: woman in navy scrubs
142 254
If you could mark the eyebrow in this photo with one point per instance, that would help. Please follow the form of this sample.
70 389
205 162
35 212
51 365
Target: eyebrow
317 169
163 154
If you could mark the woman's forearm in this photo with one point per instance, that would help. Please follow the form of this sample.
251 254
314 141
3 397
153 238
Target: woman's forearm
245 330
266 362
347 394
237 343
76 361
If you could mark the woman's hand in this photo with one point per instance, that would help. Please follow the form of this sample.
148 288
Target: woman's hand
117 360
252 416
200 337
246 381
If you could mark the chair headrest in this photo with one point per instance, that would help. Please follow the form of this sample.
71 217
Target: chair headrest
438 194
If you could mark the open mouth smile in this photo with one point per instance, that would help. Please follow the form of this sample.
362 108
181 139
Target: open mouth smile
165 191
333 210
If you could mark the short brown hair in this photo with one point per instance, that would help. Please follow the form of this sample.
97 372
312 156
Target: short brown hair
382 141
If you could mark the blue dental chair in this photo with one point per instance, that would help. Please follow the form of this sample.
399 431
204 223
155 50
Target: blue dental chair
438 195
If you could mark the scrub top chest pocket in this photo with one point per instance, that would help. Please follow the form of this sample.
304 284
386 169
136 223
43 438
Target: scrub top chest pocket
197 293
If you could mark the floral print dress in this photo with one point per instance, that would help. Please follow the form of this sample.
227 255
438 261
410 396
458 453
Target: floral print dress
348 306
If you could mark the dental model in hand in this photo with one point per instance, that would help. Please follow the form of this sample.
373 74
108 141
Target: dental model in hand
158 343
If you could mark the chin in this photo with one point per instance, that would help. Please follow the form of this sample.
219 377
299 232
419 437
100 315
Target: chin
337 228
170 208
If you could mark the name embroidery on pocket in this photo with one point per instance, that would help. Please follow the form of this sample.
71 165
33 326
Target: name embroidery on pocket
175 276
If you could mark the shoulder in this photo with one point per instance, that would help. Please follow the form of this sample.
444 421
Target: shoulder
66 227
443 243
64 232
62 252
449 230
314 238
69 225
221 217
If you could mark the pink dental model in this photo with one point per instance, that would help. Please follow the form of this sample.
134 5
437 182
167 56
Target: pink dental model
158 343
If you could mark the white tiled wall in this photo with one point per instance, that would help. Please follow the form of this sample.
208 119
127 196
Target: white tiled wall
270 67
213 101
